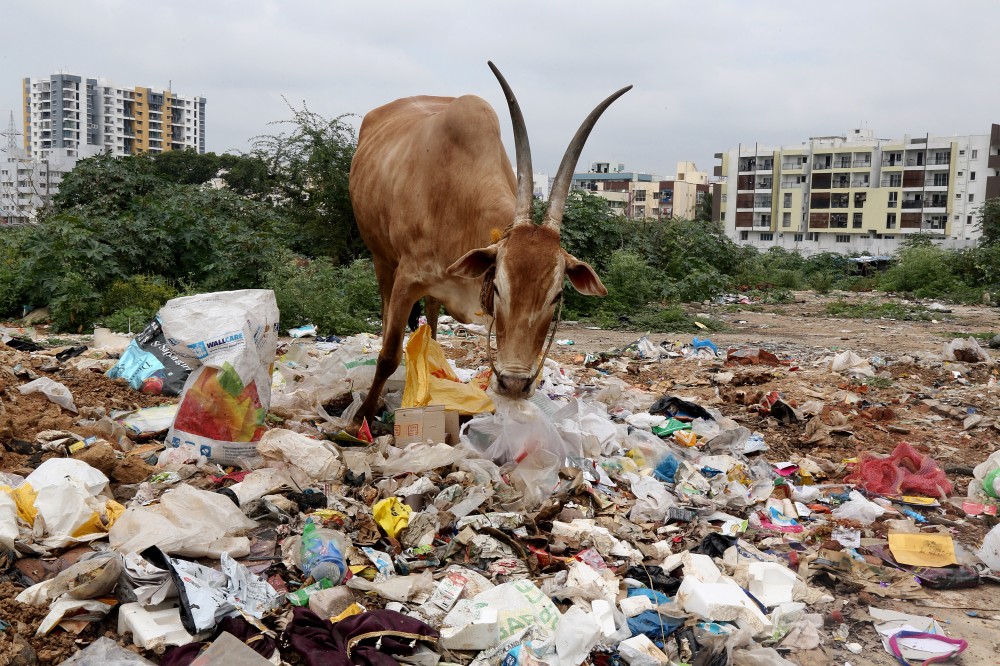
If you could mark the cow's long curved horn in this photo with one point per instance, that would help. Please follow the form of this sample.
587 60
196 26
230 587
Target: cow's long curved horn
560 186
525 185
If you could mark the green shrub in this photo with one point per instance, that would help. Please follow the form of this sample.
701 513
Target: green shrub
341 300
821 281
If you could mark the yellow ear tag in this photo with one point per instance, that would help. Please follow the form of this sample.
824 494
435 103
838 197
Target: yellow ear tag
495 235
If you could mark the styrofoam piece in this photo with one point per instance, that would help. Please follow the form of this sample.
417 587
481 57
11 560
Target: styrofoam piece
601 610
724 601
640 651
632 606
700 567
482 633
771 583
153 626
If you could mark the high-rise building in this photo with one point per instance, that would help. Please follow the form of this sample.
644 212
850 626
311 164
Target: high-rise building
857 193
629 193
682 196
87 116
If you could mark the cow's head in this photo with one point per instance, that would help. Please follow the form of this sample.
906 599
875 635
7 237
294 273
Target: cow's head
524 270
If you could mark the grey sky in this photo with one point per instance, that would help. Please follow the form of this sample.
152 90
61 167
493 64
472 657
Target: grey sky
707 75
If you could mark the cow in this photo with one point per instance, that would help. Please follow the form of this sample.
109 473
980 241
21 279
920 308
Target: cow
438 204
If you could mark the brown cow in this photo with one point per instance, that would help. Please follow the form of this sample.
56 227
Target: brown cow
432 189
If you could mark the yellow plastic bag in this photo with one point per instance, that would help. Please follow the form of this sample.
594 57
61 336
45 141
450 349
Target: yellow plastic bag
431 381
391 515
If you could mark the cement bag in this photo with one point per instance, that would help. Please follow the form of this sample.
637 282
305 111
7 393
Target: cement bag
430 380
229 339
149 365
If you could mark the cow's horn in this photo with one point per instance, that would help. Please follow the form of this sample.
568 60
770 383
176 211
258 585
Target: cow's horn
560 186
525 185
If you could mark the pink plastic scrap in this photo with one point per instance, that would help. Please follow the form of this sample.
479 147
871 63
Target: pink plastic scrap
905 470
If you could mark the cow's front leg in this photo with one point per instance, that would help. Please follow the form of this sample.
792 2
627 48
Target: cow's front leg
402 300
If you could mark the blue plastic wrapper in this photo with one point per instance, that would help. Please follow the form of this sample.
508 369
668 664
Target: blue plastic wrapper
149 365
667 468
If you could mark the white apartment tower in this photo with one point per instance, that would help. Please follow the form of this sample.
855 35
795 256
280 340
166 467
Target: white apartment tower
857 193
80 117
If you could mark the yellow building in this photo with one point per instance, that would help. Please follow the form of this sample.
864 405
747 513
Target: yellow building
857 193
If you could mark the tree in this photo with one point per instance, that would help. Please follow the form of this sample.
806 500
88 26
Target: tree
311 164
704 212
988 222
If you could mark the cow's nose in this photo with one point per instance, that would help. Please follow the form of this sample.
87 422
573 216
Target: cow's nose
514 386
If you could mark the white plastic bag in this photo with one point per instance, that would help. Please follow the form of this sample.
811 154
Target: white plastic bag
70 502
306 459
188 522
229 338
8 520
859 508
52 390
520 432
990 551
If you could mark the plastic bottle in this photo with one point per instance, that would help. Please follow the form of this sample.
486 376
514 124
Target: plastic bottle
322 554
991 483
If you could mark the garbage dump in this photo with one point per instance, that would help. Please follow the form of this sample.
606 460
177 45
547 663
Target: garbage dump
683 502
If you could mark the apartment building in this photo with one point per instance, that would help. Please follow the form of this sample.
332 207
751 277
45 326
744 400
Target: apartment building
85 116
857 193
682 196
639 196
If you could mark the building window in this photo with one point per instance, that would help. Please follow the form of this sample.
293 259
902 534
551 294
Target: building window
958 195
787 200
744 235
972 198
975 154
893 199
843 238
890 221
786 220
640 195
968 219
857 220
895 180
959 174
972 175
813 236
889 237
798 238
767 237
961 152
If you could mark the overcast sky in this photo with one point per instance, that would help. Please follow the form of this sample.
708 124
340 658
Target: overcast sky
707 75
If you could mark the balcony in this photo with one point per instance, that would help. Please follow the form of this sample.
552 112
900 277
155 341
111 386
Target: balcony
912 204
822 166
861 164
892 182
793 166
860 183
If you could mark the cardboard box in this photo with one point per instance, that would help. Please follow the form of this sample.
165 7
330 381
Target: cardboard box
421 424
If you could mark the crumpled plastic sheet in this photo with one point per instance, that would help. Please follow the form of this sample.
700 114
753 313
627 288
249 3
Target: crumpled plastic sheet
187 522
106 652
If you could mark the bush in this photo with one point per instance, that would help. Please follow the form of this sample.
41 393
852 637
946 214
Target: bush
341 300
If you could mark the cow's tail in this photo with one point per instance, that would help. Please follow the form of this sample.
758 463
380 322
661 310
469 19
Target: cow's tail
413 321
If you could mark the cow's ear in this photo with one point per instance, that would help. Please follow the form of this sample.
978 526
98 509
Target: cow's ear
583 278
474 263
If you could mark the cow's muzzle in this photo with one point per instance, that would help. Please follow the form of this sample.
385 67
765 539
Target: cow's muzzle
514 386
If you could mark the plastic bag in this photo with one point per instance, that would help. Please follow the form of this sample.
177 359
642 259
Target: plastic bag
188 522
852 363
430 379
419 457
990 551
965 350
106 652
63 502
307 460
858 508
519 432
149 365
229 338
8 520
52 390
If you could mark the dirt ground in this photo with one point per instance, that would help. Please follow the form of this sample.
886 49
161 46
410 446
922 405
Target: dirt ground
917 400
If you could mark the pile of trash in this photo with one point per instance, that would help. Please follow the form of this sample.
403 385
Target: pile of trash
245 522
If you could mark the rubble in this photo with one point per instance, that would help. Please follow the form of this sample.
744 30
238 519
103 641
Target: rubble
685 502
